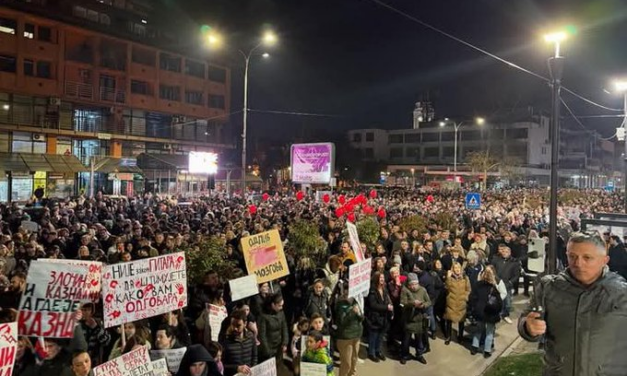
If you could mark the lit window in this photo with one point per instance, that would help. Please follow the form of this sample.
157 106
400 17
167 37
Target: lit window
29 31
7 26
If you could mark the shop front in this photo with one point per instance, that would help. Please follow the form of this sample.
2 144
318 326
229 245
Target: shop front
118 177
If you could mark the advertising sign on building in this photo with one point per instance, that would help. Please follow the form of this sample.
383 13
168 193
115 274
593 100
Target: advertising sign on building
312 163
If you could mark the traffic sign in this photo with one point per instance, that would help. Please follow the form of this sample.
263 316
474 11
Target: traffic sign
473 201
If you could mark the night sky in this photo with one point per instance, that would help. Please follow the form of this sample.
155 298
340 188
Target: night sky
368 65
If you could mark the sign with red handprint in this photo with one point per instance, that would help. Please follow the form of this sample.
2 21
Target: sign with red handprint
8 347
94 278
144 288
264 256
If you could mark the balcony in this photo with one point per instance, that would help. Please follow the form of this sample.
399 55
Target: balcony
79 90
112 95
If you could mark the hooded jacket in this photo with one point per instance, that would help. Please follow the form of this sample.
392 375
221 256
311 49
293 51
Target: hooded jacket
585 332
195 354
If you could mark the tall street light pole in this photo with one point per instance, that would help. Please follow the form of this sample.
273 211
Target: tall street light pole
556 69
456 126
621 87
268 39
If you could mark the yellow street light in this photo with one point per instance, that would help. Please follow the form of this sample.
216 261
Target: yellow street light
620 86
269 38
480 121
214 39
556 38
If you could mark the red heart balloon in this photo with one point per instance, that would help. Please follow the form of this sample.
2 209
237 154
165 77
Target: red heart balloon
381 214
341 199
326 198
300 195
252 209
430 198
339 212
368 210
351 217
373 194
265 196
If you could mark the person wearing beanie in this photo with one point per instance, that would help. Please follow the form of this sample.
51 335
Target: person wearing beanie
414 302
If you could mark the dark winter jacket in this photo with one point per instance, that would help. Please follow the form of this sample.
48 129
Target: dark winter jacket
273 334
196 354
347 321
318 304
426 280
478 302
507 269
238 351
377 314
412 316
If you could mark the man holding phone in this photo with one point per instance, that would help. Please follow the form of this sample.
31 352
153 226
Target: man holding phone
581 312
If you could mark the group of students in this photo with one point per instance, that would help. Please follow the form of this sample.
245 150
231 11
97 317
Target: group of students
422 280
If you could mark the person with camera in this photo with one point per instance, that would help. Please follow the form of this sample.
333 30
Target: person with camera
581 313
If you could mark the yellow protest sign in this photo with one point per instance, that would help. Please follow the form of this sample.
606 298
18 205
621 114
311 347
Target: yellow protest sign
264 256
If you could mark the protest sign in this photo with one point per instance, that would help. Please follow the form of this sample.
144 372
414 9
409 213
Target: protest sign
8 348
217 314
172 357
267 368
243 287
359 278
160 367
135 363
53 294
30 226
264 256
313 369
144 288
353 238
94 279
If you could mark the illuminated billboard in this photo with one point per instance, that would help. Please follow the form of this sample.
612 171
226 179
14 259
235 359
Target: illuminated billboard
203 163
312 163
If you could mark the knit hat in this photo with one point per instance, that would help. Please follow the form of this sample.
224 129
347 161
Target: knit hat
411 278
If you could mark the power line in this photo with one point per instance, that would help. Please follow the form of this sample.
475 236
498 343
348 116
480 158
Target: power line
583 126
485 52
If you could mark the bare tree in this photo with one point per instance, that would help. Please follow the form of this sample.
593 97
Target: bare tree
484 162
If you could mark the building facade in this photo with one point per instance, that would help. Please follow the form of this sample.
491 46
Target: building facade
87 80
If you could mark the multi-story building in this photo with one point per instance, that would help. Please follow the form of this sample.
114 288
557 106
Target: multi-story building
85 85
427 151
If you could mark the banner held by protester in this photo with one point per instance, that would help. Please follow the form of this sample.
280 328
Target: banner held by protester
8 348
136 363
264 256
172 357
144 288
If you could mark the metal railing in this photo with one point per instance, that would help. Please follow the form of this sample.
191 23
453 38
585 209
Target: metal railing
79 90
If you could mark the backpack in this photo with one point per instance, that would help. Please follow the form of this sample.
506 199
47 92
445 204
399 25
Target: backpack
495 303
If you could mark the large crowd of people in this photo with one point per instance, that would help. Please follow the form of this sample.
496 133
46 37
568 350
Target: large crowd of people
453 284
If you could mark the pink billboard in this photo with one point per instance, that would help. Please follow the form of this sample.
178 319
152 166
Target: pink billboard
312 163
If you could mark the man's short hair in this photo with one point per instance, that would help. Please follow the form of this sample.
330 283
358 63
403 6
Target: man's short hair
593 237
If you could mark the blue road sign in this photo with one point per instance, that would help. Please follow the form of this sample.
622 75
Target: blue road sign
473 201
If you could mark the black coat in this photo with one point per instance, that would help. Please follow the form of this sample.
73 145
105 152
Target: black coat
196 354
479 300
238 351
377 315
507 269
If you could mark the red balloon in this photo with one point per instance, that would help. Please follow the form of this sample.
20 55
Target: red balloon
326 198
341 199
339 212
381 214
373 194
351 217
265 196
252 209
368 210
430 198
300 195
349 208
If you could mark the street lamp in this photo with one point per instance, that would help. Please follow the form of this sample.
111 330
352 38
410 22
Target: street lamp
621 87
479 121
268 39
556 69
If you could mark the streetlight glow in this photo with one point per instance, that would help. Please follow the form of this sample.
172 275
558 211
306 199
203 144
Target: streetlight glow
442 124
620 86
269 38
480 121
214 39
555 37
265 55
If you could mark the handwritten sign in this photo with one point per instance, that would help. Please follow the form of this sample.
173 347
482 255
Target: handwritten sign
160 367
172 357
30 226
313 369
53 293
264 256
267 368
243 287
8 348
94 279
353 238
135 363
144 288
359 278
217 314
